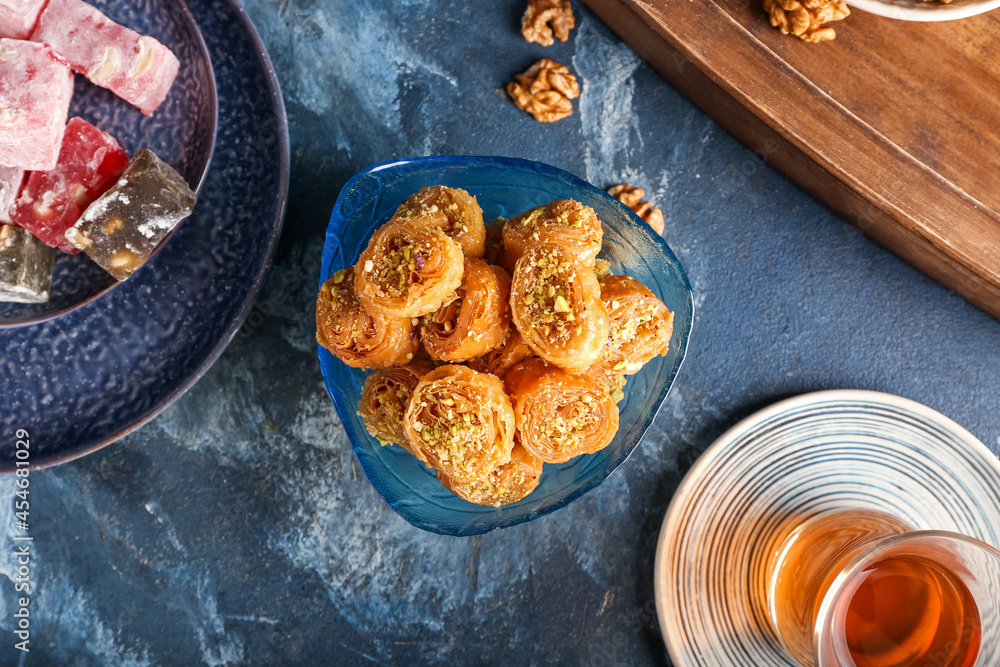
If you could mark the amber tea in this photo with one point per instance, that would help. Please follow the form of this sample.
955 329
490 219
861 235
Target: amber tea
903 610
910 611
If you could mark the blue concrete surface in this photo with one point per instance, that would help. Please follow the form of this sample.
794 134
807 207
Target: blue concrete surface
238 529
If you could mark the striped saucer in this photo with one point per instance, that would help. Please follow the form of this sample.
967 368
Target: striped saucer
783 465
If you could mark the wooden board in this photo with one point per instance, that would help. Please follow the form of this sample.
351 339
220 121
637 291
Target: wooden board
895 125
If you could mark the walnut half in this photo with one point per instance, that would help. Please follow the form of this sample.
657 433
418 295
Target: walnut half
545 91
631 197
805 18
538 15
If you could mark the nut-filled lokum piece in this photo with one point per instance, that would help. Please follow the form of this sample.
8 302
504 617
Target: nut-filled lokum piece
36 86
137 68
11 180
124 226
52 201
25 266
18 17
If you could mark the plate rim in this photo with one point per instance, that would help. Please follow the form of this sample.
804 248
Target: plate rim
278 104
746 425
344 411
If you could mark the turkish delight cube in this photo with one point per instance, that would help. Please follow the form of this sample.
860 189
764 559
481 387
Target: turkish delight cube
89 163
18 17
36 86
124 226
11 179
25 266
138 69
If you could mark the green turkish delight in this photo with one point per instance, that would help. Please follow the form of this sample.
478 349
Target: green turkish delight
25 266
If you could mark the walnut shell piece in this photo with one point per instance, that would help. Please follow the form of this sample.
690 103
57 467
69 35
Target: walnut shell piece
545 91
805 18
541 13
631 197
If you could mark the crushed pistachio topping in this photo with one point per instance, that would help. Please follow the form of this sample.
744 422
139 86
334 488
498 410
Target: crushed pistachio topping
505 484
454 431
626 324
559 213
570 424
341 291
345 318
385 422
602 269
547 295
570 218
533 217
399 267
445 319
448 215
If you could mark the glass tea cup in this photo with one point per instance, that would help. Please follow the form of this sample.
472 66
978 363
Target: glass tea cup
862 588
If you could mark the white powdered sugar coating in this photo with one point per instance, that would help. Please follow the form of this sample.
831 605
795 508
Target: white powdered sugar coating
157 226
100 206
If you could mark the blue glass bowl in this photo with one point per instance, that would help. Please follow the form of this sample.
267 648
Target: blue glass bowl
504 187
182 131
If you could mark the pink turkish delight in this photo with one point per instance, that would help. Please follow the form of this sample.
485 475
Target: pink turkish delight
138 69
36 86
11 179
52 201
18 17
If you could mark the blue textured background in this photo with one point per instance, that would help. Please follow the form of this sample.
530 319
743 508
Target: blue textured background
237 527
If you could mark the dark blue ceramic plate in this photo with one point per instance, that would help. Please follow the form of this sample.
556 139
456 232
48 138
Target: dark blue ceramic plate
504 187
83 380
182 132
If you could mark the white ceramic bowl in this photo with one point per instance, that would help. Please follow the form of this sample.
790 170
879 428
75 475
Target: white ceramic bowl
918 10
